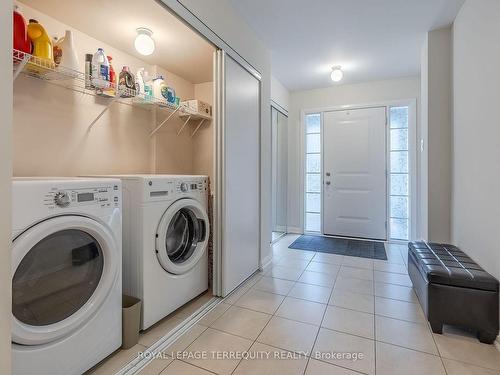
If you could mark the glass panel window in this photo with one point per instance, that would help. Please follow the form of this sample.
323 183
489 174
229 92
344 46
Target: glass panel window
313 222
313 202
399 117
313 163
313 123
399 229
399 174
399 161
399 139
313 143
399 207
313 173
313 184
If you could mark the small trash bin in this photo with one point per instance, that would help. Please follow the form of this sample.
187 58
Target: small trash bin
131 321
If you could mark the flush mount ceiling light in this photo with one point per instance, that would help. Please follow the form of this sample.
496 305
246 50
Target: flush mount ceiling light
337 74
144 43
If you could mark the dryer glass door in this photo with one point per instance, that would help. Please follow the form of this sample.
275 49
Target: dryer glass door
57 277
62 272
182 236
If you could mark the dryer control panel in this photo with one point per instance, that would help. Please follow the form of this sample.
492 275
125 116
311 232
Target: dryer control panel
104 197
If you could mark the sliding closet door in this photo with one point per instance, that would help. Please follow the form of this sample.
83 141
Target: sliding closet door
239 168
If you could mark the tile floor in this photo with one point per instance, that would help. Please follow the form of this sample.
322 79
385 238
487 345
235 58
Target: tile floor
312 303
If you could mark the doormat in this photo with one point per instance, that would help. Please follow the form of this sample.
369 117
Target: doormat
341 246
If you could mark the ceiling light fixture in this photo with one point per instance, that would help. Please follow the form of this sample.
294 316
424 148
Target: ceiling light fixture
144 43
337 74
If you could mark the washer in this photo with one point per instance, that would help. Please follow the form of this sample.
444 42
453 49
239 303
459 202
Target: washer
165 240
66 274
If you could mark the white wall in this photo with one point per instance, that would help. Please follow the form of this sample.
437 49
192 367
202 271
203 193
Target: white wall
280 94
225 26
362 93
476 132
5 182
436 117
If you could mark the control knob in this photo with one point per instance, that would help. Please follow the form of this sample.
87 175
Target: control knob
184 187
62 199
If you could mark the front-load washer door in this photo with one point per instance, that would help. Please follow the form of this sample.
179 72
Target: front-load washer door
63 270
182 236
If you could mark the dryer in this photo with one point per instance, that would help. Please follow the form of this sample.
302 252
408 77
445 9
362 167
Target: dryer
165 241
66 274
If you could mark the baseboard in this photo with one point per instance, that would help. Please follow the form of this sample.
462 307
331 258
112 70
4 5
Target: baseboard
295 230
266 262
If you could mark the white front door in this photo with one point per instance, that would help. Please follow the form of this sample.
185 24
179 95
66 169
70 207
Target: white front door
354 157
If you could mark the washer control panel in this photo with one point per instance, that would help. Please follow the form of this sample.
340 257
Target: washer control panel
167 188
104 197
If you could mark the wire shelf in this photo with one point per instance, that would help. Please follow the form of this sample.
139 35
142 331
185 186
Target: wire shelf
46 70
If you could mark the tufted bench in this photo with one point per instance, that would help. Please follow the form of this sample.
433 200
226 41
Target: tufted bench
453 289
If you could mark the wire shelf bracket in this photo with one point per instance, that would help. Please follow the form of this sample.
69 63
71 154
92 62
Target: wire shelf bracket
183 125
164 121
20 66
105 109
199 126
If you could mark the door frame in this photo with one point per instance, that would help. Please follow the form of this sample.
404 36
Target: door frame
412 149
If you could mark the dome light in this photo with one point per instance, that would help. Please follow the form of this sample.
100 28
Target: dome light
337 74
144 43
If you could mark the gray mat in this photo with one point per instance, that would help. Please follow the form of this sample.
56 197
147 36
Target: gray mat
341 246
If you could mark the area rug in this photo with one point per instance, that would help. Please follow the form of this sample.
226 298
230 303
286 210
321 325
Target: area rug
341 246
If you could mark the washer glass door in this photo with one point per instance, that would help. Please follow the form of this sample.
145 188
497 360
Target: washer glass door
182 236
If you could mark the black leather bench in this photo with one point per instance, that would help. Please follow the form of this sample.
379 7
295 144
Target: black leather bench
453 289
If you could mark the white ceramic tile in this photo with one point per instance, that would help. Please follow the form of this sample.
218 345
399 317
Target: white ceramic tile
380 265
349 321
310 292
274 285
242 322
353 285
317 278
464 350
328 258
260 301
315 367
399 292
353 301
357 273
332 341
391 360
358 262
214 314
178 367
328 268
410 335
284 273
460 368
393 278
399 310
266 360
213 342
301 310
289 335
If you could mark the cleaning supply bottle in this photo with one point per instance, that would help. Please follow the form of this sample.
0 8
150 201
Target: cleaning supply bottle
88 71
56 51
139 83
100 70
42 45
20 33
111 90
126 84
158 83
148 87
69 58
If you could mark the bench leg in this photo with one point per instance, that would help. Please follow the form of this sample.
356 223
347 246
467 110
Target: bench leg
486 337
437 327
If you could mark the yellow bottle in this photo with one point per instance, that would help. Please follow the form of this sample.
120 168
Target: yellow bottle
42 45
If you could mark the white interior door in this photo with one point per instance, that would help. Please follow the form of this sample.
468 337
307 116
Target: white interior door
355 183
240 174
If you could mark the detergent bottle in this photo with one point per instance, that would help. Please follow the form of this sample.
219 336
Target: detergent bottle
42 45
21 40
100 70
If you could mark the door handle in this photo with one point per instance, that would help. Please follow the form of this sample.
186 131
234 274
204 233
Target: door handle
328 182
